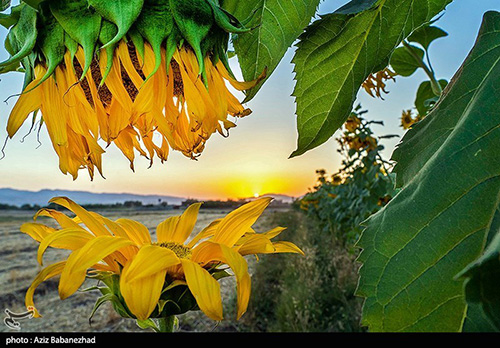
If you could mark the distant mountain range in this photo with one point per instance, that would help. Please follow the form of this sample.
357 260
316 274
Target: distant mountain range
42 197
19 197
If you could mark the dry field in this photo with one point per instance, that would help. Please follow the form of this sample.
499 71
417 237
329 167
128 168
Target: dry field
18 267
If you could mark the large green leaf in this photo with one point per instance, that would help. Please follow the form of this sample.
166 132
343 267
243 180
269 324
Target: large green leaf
441 220
277 24
482 286
338 52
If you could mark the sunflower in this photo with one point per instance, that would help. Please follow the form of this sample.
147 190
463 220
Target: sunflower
352 123
146 75
144 277
407 119
356 143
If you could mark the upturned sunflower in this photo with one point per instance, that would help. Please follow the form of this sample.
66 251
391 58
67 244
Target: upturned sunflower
407 119
145 75
147 279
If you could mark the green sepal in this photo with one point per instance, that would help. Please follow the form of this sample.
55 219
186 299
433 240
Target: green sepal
28 63
8 20
137 40
50 41
11 67
112 294
226 20
194 20
71 45
108 31
173 41
22 37
79 22
123 13
155 24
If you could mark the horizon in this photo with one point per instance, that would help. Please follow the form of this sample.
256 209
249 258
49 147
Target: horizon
143 194
254 158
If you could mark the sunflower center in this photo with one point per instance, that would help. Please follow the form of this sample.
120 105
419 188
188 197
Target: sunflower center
182 252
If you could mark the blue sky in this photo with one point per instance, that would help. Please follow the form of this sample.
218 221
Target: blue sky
254 159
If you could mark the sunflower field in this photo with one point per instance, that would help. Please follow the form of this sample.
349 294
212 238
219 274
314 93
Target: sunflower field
401 239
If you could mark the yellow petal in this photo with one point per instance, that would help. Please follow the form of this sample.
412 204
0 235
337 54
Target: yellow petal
256 244
274 232
80 260
96 227
205 289
241 86
186 223
208 251
166 229
36 231
46 273
137 232
238 222
69 239
63 220
26 103
52 110
149 260
130 251
178 228
142 295
287 247
207 232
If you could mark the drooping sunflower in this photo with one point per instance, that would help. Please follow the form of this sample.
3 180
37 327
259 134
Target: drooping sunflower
375 85
145 75
154 279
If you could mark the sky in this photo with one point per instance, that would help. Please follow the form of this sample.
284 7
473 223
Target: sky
254 159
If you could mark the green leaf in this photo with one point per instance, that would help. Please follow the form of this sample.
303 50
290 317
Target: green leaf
4 4
147 324
425 97
33 3
277 24
426 34
449 169
356 6
338 52
483 278
404 62
8 20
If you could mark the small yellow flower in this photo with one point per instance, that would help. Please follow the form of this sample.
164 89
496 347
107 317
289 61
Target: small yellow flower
355 143
352 123
407 119
145 267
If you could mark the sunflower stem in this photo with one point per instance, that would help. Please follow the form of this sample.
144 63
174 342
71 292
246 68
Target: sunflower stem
166 324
